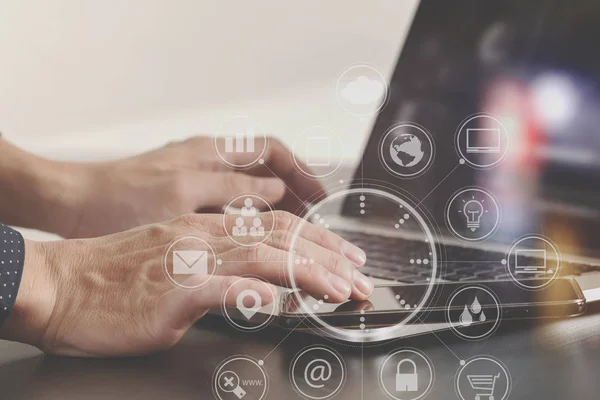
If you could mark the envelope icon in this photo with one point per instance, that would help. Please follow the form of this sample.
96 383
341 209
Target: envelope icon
188 262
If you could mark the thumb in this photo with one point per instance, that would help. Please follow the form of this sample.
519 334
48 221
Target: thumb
217 188
182 308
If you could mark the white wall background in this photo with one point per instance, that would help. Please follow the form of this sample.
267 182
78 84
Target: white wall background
93 79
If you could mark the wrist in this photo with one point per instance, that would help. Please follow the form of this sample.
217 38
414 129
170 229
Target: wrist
37 193
36 298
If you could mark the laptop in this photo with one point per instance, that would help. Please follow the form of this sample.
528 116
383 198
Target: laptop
466 57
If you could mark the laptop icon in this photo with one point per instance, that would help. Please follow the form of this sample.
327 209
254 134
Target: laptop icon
483 140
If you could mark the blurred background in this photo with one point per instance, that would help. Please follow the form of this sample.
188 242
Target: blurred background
92 80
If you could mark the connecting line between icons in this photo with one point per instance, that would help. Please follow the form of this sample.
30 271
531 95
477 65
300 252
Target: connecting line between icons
436 186
441 341
283 340
287 187
362 371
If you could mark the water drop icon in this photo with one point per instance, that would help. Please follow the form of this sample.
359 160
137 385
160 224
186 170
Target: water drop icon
465 317
482 317
476 307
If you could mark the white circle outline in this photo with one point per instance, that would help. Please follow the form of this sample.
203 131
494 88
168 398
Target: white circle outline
210 276
474 189
383 80
484 358
219 383
217 374
317 176
413 351
489 331
536 237
262 153
429 162
330 351
252 328
459 133
256 196
376 334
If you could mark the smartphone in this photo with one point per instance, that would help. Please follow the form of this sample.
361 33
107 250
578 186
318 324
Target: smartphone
449 302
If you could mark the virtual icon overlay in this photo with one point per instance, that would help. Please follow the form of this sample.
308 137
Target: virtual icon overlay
318 152
482 141
318 373
406 150
406 374
240 377
249 314
533 262
190 262
365 202
474 312
248 228
483 378
362 90
241 142
473 214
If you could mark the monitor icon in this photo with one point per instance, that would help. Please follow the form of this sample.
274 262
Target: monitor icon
483 140
530 261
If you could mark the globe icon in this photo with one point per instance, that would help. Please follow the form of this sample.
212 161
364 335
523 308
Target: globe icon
406 150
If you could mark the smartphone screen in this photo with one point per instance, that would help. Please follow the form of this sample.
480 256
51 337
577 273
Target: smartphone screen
481 300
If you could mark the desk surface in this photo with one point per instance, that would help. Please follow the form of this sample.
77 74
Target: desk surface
556 360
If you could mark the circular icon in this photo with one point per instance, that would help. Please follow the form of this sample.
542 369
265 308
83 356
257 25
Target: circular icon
406 374
533 262
403 218
406 150
190 262
240 377
362 90
313 152
473 312
240 142
248 228
318 373
482 141
472 214
483 378
246 316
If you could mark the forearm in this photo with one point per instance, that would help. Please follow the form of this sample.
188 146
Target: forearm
34 191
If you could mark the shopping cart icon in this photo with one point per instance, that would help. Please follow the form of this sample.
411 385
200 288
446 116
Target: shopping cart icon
483 383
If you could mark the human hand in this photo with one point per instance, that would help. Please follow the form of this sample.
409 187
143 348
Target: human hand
111 296
179 178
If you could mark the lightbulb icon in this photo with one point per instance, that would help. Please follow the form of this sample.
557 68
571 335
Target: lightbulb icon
473 211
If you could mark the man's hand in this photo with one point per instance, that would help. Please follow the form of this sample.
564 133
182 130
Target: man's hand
110 295
94 199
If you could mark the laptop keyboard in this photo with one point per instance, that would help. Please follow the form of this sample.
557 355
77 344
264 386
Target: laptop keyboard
463 265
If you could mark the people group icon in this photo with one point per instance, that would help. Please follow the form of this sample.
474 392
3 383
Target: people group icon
248 210
240 229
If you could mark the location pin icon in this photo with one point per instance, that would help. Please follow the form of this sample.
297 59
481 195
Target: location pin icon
249 312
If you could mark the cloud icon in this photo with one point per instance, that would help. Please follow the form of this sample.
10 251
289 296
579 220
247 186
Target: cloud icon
362 91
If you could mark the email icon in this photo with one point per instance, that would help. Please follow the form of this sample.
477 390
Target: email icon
187 262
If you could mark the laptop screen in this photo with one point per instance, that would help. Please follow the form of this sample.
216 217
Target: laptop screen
533 65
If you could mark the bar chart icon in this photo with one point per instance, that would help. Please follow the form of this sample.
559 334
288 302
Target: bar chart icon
241 142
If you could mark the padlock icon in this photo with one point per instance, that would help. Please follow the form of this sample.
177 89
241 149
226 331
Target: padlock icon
407 382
